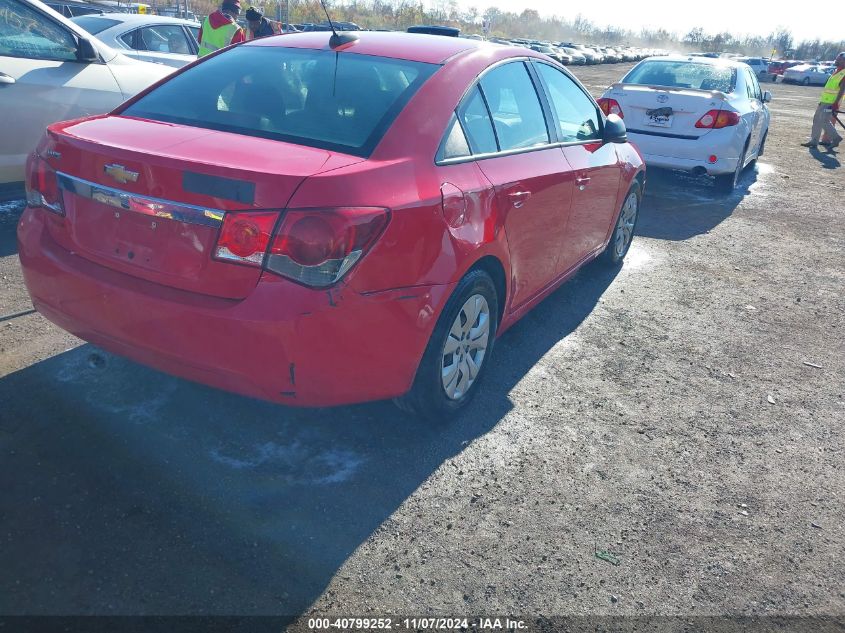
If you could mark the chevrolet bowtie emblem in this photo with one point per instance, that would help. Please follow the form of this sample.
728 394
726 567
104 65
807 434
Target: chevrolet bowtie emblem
120 173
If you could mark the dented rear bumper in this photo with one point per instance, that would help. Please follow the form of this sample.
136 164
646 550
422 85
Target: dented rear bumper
284 342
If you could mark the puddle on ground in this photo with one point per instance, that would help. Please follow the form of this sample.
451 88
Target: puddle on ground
637 257
296 461
760 184
15 206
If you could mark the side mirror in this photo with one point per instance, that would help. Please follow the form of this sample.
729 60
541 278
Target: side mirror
767 96
85 51
614 130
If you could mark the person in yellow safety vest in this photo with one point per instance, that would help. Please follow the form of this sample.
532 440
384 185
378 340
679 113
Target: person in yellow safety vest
831 101
220 28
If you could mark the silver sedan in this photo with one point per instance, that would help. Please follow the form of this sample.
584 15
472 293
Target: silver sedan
150 38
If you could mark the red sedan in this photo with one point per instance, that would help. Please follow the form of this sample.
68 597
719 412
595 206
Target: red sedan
319 226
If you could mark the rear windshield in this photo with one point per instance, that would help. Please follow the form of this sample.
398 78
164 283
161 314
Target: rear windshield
337 101
683 74
94 24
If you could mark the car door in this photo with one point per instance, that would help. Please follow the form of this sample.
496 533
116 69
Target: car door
506 125
821 75
596 166
41 81
753 111
762 113
161 44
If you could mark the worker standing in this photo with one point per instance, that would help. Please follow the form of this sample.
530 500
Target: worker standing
220 28
258 25
831 101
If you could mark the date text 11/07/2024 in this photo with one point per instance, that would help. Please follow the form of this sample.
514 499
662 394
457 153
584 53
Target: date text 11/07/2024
416 624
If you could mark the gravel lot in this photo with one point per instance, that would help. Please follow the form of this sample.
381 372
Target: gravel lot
685 413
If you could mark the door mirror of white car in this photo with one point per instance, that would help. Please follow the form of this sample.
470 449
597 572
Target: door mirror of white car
767 96
6 79
85 51
614 130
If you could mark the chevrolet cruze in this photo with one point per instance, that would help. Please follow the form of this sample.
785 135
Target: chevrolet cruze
317 222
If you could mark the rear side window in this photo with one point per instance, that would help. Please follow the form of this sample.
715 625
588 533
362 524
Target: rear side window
515 107
752 88
95 24
476 122
683 74
455 143
337 101
576 114
26 33
164 38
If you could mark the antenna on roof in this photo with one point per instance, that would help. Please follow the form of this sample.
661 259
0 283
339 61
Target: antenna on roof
338 39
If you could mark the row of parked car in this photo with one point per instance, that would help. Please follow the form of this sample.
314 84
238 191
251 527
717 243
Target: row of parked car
788 71
570 53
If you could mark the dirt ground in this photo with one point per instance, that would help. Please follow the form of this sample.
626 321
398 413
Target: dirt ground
684 413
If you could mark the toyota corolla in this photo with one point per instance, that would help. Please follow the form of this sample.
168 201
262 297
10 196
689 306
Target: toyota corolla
319 225
697 114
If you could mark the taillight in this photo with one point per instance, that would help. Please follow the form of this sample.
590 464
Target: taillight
244 237
317 247
42 186
611 106
717 119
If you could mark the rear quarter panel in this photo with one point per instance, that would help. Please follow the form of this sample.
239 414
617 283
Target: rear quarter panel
418 246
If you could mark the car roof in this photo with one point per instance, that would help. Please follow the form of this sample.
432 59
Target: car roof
694 59
136 19
432 49
77 3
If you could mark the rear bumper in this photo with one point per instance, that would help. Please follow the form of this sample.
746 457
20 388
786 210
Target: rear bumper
284 343
691 155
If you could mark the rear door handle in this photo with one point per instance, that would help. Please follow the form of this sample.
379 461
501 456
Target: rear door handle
519 197
6 79
582 182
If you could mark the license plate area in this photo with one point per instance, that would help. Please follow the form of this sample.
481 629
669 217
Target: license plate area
135 231
659 117
118 234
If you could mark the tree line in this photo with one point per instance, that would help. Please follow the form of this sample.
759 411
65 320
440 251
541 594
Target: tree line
400 14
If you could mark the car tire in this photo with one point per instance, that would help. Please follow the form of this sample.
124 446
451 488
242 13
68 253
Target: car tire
624 228
762 144
806 81
726 183
440 391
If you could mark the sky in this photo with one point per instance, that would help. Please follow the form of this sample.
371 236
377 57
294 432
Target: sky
745 17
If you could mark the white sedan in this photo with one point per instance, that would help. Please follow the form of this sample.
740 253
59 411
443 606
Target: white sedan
150 38
51 70
697 114
808 74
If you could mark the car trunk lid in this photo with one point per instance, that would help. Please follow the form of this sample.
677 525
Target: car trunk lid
147 198
664 111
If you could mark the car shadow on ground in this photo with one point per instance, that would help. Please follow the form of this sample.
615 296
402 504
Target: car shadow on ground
10 213
678 205
127 491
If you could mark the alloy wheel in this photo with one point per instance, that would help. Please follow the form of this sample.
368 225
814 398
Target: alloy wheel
625 225
465 347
